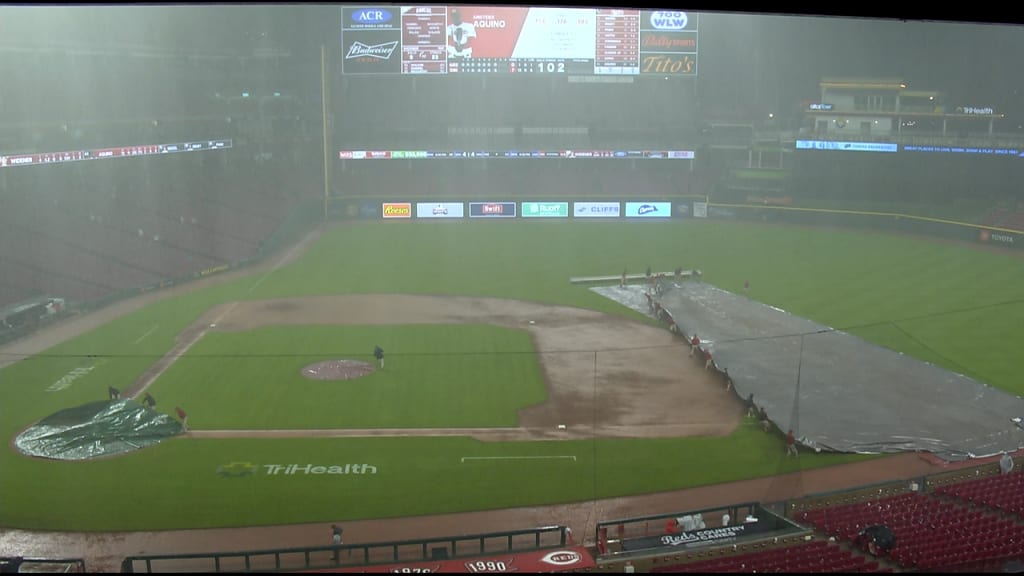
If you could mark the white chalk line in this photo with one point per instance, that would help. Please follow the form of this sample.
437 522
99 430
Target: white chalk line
464 458
180 350
143 337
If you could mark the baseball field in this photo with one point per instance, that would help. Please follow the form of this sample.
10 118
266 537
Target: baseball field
489 348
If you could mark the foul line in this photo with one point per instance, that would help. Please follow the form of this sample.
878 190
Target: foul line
464 458
182 347
143 337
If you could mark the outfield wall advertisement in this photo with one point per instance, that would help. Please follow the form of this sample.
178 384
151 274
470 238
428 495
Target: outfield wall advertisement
1000 238
440 210
596 209
648 209
492 209
545 210
396 210
411 210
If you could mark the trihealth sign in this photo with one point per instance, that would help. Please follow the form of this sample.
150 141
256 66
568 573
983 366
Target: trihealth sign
239 469
396 210
596 209
545 209
648 209
440 210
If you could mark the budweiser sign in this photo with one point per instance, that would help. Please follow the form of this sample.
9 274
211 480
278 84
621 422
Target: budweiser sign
378 51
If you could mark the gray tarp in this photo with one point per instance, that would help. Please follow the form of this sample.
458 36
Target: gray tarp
97 429
851 395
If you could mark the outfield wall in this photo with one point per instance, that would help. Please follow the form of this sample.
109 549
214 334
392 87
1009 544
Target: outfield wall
885 221
655 207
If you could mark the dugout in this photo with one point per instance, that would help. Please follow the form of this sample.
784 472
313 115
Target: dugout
650 536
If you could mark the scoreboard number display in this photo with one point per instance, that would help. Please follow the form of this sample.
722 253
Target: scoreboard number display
460 40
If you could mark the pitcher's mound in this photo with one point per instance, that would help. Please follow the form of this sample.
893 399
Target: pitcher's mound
337 370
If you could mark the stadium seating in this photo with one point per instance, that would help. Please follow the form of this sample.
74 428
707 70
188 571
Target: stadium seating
930 533
1003 492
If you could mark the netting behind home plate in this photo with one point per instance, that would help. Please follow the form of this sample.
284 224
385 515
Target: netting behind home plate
839 392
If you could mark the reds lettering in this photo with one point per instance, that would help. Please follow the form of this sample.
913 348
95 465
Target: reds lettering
664 64
493 209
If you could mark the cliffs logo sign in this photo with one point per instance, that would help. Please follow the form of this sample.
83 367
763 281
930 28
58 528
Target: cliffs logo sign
669 20
397 210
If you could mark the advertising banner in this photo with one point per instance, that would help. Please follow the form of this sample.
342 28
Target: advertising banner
648 209
370 18
371 52
596 209
492 209
520 32
697 538
1000 238
668 43
440 210
545 210
483 154
396 210
700 209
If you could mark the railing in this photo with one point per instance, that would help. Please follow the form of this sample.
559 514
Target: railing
14 564
353 555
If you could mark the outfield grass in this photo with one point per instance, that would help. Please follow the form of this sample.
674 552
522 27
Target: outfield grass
944 303
176 485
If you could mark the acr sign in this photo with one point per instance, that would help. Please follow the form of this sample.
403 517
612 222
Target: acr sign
396 210
369 17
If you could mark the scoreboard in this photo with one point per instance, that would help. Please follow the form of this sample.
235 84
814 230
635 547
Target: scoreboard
461 40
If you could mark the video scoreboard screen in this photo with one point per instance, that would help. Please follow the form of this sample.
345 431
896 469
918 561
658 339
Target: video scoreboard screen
405 40
39 158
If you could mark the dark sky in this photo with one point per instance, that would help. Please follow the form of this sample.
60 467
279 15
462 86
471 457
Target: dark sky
771 58
975 64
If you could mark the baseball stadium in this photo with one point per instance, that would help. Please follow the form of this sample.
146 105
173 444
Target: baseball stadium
397 288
